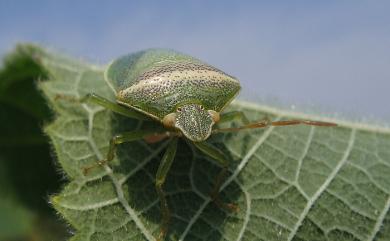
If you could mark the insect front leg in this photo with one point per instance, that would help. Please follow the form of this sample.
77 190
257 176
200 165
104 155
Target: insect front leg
238 115
234 115
267 122
161 175
113 106
119 139
217 155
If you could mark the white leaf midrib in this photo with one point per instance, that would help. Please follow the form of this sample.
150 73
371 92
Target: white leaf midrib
87 207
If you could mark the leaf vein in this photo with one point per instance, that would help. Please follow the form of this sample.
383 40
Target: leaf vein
144 162
324 185
116 183
304 154
350 205
247 213
380 220
369 176
90 206
270 219
242 164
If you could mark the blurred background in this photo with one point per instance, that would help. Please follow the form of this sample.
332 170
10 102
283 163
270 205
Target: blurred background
322 56
330 54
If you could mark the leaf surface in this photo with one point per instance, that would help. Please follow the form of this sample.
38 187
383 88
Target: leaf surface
291 183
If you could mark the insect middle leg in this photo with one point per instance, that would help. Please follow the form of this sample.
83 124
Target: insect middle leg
234 115
217 155
161 175
99 100
119 139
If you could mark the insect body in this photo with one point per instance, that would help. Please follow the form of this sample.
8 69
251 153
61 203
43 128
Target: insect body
174 88
186 96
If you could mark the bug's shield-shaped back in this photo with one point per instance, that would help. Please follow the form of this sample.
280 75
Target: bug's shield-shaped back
157 81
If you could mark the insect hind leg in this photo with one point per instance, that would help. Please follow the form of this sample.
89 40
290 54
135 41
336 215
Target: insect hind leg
119 139
217 155
161 175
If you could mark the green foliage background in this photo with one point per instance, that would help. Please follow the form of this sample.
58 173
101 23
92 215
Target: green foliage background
27 172
292 183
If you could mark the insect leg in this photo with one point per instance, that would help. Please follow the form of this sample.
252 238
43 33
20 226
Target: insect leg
119 139
99 100
161 175
304 122
217 155
266 122
234 115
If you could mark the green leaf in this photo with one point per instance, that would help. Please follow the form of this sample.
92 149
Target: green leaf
15 219
291 183
27 172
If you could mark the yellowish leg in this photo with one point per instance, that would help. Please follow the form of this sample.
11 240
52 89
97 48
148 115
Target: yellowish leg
99 100
217 155
264 123
161 175
119 139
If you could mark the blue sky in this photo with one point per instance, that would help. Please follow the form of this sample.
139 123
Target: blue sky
332 54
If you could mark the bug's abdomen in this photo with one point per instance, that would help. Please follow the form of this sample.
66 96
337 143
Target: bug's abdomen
159 90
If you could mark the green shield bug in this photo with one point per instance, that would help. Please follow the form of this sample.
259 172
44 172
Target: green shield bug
185 97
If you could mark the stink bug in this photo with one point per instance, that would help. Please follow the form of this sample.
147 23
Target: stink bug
185 97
